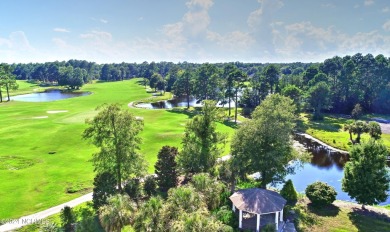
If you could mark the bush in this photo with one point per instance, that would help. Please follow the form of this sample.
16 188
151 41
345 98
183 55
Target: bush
67 218
150 185
227 216
288 192
320 194
133 189
269 228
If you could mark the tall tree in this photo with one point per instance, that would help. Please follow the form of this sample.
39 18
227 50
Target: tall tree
184 85
319 98
365 176
7 79
263 144
115 131
272 73
165 168
207 82
201 141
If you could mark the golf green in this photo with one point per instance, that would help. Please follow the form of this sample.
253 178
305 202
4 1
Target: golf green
43 159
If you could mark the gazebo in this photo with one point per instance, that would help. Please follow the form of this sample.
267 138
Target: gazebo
266 205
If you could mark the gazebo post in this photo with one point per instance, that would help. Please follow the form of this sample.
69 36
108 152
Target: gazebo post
240 220
234 208
258 223
281 215
276 220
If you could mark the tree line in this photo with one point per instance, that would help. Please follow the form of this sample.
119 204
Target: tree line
336 85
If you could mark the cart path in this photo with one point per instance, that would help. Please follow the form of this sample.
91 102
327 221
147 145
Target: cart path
14 224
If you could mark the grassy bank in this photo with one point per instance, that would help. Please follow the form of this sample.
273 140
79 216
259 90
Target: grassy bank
330 131
340 216
43 157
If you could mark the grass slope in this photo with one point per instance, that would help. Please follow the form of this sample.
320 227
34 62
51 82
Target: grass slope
340 217
330 131
41 159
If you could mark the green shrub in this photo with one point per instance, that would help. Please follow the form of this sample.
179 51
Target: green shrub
133 189
150 185
269 228
288 192
67 218
227 216
320 194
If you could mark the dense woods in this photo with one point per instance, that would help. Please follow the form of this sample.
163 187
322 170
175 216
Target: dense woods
336 85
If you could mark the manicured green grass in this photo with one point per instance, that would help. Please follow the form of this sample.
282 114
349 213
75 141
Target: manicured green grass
60 157
25 87
330 131
338 218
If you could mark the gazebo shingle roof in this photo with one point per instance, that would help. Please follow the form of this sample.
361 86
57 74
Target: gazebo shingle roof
258 201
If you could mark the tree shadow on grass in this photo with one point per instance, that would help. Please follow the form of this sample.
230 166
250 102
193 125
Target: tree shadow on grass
230 124
368 220
324 211
189 113
330 123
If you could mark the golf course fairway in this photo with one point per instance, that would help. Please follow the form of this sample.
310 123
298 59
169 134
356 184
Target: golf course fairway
43 159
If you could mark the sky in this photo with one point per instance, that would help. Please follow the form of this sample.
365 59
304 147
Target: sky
114 31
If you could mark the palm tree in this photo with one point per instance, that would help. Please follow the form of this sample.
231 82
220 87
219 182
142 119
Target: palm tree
149 216
117 213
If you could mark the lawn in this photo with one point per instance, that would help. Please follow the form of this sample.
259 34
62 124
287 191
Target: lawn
340 217
330 131
43 156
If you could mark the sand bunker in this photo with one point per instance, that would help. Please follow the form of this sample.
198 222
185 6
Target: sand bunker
56 111
40 117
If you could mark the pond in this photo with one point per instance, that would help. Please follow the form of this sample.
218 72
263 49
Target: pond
49 95
326 166
177 102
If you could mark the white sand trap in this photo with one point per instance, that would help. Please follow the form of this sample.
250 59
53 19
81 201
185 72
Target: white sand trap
56 111
139 118
40 117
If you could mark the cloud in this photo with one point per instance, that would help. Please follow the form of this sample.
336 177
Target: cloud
59 42
235 40
58 29
104 21
368 2
386 26
267 8
386 9
328 5
205 4
97 35
140 18
307 42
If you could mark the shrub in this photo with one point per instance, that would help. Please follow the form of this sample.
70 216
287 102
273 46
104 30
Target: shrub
150 185
269 228
320 194
227 216
288 192
67 218
133 189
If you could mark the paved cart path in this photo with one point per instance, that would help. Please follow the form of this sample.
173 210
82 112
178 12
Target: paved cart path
14 224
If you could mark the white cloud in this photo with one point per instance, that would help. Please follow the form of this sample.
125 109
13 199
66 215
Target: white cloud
97 35
386 26
58 29
205 4
235 40
104 21
386 9
328 5
267 8
140 18
368 2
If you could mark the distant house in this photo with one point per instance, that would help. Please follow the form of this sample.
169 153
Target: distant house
257 208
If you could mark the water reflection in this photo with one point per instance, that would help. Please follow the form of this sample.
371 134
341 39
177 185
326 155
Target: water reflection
326 165
179 102
49 95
